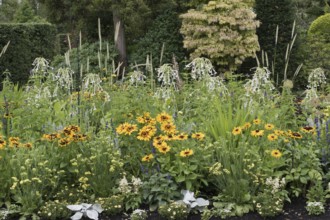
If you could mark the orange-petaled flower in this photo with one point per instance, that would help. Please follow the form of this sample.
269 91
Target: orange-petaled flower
64 142
257 133
237 131
73 128
168 128
257 121
121 128
146 119
186 153
279 132
276 153
68 132
51 137
27 145
164 149
144 135
159 138
2 144
158 144
181 137
198 135
14 139
308 129
272 137
296 135
129 129
246 125
170 137
8 115
269 126
163 118
147 158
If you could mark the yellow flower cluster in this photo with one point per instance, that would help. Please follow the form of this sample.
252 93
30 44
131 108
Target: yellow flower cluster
66 136
13 143
150 129
276 133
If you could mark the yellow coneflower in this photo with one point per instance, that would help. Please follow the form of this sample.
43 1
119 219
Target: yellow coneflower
73 128
308 129
27 145
276 153
150 128
269 126
257 121
158 144
198 135
237 131
64 142
129 129
144 135
181 137
14 139
51 137
246 125
164 149
170 137
257 133
8 115
279 132
146 119
68 132
272 137
159 138
296 135
168 128
2 144
121 128
163 118
186 153
147 158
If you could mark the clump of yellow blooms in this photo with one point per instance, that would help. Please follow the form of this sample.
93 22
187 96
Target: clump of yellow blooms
159 130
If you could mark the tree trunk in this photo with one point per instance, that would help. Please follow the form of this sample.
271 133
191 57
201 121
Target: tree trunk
120 42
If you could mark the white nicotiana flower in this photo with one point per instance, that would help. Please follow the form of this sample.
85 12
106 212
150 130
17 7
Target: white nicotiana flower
201 67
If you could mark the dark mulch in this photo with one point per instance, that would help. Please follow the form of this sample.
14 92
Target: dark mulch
292 211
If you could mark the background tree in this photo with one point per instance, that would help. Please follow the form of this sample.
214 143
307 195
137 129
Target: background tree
7 10
223 31
273 14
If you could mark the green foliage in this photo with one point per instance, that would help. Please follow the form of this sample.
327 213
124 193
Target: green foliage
222 31
273 14
160 190
320 26
318 45
174 210
89 57
7 11
28 41
25 14
164 31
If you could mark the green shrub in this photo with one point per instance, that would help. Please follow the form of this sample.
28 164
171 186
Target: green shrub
165 30
320 26
27 41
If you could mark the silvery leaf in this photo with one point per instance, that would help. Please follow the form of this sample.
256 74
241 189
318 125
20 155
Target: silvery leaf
77 216
194 204
97 207
86 205
188 196
202 202
92 214
74 207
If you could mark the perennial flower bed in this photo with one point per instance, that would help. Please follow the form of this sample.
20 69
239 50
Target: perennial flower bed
206 147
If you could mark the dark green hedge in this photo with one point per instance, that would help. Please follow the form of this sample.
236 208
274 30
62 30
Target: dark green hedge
27 41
